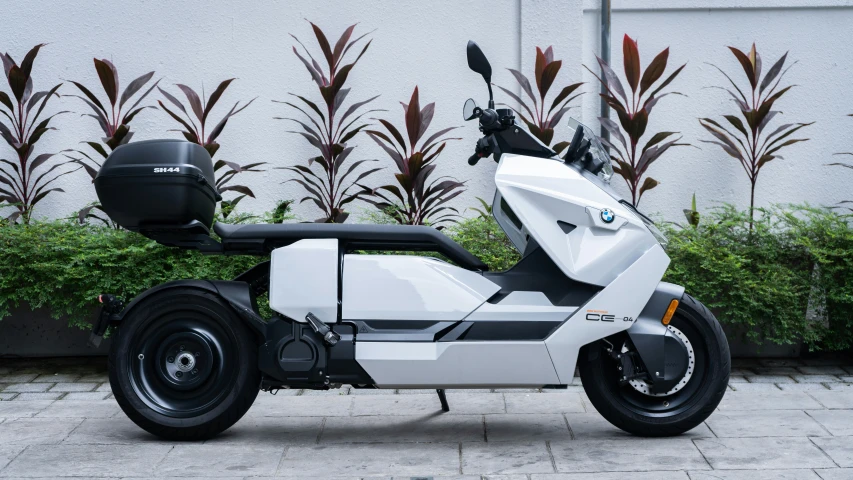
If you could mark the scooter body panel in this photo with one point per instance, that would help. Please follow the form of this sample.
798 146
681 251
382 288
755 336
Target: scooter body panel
615 309
304 278
407 287
564 211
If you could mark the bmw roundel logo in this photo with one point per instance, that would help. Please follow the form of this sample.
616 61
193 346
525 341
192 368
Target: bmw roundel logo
607 216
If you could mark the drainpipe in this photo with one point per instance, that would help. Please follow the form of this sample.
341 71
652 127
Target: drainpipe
605 55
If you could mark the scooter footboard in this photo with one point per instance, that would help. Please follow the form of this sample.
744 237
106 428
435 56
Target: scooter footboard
457 364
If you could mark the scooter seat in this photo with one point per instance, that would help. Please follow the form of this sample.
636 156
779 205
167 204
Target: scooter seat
364 237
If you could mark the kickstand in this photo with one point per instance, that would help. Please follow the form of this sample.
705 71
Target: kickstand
443 399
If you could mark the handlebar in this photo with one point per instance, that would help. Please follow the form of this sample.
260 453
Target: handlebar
491 121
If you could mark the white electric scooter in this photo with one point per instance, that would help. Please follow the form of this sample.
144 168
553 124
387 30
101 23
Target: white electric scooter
189 357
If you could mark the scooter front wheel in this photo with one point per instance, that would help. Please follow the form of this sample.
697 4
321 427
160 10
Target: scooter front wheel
183 366
631 407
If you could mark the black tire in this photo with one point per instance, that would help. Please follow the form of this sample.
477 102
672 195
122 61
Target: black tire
648 416
172 330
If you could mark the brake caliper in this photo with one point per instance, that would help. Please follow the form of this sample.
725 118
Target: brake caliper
629 365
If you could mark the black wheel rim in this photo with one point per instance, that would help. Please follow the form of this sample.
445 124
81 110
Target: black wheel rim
668 405
183 363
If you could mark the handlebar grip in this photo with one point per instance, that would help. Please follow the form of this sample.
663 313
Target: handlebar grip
473 159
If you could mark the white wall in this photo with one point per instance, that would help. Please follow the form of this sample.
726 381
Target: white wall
423 43
415 43
815 32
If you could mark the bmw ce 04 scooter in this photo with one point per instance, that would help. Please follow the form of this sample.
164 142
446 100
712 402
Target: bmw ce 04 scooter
189 357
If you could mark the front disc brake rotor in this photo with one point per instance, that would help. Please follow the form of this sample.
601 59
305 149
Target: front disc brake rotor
643 387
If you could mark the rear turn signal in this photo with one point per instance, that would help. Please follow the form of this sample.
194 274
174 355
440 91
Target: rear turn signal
670 311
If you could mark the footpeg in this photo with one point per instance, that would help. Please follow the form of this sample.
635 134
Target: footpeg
329 337
110 309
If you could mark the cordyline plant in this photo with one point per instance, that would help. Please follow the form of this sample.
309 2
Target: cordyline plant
633 161
692 214
747 143
845 165
328 129
27 180
541 122
484 213
418 200
114 122
196 131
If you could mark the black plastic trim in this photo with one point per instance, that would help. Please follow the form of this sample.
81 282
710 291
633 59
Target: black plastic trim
263 238
391 331
258 278
536 272
525 330
649 337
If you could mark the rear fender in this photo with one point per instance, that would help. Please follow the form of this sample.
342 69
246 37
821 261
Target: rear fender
237 294
648 333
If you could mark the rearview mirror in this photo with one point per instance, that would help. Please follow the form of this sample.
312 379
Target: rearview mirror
477 61
470 111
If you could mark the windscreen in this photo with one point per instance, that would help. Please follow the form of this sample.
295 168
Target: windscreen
595 148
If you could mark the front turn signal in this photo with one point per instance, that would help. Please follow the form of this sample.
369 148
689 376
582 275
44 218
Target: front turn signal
670 311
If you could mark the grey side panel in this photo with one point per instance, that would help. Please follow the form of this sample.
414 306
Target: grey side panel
509 222
457 364
648 333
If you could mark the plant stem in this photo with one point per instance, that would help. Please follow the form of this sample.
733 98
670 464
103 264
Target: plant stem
751 202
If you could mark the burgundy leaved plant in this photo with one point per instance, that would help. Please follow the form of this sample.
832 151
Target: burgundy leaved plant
541 119
329 126
633 161
196 131
418 200
114 121
747 143
28 179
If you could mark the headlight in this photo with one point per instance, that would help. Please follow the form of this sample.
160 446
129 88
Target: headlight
660 237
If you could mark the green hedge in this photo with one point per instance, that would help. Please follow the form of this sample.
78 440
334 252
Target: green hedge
761 281
765 280
64 267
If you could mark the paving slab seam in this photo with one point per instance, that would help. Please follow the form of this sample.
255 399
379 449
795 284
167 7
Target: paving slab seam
823 452
322 427
281 460
711 429
818 401
551 455
693 442
14 458
163 460
819 423
583 404
569 426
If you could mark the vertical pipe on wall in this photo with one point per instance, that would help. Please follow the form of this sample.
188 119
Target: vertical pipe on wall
605 55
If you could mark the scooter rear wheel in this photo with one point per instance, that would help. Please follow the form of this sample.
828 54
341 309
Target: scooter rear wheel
683 408
183 366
